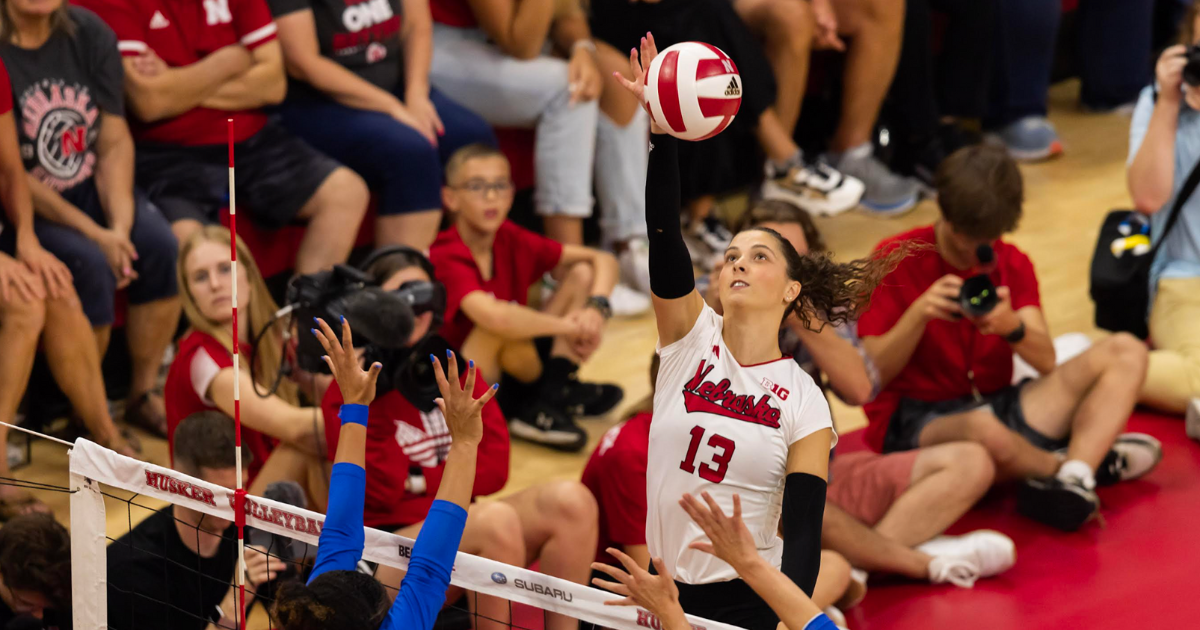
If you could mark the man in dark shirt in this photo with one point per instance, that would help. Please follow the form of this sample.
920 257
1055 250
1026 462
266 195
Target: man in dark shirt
174 570
35 574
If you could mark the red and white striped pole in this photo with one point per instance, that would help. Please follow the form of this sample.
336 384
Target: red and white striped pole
239 503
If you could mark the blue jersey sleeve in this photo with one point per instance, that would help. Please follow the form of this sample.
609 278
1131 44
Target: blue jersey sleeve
424 588
820 622
341 543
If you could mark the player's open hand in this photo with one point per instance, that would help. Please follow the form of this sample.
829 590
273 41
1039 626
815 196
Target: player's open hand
728 536
656 593
639 65
463 412
357 386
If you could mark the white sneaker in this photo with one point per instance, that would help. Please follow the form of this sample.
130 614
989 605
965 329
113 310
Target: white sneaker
960 560
1133 455
635 264
627 302
815 187
1193 419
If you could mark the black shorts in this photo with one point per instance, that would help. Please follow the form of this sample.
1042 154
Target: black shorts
732 602
277 173
912 416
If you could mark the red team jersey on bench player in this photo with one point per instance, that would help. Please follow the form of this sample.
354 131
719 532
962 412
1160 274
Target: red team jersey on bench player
723 428
182 32
616 476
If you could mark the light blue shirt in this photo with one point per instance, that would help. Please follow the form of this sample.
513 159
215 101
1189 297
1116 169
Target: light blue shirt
1179 256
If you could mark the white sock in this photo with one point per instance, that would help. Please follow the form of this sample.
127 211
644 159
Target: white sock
1074 470
795 159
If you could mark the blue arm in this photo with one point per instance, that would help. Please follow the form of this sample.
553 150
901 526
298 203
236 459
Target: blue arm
341 543
424 588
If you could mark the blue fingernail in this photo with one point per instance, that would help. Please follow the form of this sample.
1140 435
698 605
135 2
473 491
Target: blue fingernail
470 363
377 364
343 319
433 358
314 331
316 320
495 385
448 353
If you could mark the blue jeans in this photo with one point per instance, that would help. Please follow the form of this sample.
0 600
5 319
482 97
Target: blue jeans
392 157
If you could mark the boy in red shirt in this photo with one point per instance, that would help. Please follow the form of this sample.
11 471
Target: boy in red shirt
488 265
190 66
947 373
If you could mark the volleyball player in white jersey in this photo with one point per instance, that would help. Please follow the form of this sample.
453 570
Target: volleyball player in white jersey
731 416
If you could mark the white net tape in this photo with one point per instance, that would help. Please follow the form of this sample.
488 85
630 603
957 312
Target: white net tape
92 465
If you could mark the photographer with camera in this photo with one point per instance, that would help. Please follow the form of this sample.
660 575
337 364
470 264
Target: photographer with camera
1164 146
285 438
408 441
943 339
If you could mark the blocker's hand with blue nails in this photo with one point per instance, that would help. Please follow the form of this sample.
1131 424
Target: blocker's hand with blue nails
357 385
463 412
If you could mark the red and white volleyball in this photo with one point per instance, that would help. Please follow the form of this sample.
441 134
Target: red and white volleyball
693 90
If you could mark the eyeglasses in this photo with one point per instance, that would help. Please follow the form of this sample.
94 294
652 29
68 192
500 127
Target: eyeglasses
482 188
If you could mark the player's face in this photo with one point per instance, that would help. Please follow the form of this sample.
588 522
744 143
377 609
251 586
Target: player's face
224 477
482 193
411 274
754 275
210 281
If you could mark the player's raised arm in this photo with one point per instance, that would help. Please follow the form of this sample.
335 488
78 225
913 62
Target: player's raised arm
677 303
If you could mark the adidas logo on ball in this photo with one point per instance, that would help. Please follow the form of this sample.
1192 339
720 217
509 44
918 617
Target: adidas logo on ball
693 90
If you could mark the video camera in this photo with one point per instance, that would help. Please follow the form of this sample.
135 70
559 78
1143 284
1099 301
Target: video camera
977 297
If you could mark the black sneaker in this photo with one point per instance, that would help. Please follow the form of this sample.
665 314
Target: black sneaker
543 424
1132 456
588 399
1059 504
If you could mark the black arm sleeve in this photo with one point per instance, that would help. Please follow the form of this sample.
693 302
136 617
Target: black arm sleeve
803 511
671 274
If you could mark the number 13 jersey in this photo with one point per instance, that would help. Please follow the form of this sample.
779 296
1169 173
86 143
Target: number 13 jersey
724 428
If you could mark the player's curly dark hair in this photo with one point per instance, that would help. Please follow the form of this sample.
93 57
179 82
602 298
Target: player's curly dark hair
336 600
832 292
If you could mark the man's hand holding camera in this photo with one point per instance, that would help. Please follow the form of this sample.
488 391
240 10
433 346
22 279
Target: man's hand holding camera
1002 320
940 300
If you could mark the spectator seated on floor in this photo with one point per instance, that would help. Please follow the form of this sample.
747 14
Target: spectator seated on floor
35 573
488 265
873 29
359 92
176 568
88 213
37 294
1164 146
285 438
884 512
186 73
946 361
533 65
408 441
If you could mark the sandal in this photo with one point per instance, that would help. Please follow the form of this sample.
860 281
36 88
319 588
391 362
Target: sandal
144 414
20 504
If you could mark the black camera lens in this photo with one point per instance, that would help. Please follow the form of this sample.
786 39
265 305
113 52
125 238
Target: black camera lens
1191 72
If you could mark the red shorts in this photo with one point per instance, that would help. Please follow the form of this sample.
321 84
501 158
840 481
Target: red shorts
866 484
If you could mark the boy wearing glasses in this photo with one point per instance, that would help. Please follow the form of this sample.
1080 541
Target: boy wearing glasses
488 265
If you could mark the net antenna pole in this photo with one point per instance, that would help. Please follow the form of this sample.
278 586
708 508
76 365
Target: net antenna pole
239 504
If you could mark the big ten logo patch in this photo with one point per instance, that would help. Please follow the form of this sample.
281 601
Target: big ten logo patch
776 389
217 12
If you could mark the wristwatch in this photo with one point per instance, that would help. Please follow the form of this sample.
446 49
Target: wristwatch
1017 335
600 303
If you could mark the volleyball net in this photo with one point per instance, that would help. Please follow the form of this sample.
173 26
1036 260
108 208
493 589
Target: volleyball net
95 472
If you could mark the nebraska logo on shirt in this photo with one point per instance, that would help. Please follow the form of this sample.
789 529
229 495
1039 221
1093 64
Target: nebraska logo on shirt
704 396
56 118
217 12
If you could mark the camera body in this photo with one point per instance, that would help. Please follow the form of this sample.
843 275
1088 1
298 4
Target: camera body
1191 71
978 297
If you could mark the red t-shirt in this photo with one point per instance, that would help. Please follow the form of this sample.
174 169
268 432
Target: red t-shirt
5 91
183 32
453 13
199 360
616 475
947 351
406 447
519 259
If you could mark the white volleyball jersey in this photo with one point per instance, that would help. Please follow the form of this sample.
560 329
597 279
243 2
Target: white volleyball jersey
723 428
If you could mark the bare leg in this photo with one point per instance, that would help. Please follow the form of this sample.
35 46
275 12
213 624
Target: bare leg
947 480
573 292
333 213
833 579
877 27
520 360
787 28
776 141
103 335
564 229
148 332
559 523
20 326
414 229
1014 456
1089 397
615 102
867 549
71 352
493 531
484 348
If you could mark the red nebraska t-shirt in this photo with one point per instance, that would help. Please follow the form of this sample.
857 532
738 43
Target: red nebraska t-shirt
183 32
199 359
453 13
616 475
404 443
947 351
519 259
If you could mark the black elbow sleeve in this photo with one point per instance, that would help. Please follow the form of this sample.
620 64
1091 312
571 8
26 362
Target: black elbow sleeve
803 511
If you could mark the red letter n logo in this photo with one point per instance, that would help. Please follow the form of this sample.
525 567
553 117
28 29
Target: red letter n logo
73 141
